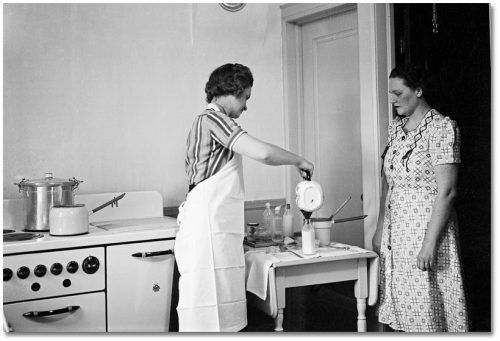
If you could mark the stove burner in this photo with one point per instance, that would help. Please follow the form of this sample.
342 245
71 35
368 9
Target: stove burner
8 231
19 236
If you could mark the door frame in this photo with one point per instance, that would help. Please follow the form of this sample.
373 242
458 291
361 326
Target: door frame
376 59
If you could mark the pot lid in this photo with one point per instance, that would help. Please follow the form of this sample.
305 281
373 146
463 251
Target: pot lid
47 181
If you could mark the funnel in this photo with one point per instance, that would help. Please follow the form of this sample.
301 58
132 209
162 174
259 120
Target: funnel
307 215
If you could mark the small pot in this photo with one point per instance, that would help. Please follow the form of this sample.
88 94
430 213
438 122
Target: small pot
69 220
322 228
73 220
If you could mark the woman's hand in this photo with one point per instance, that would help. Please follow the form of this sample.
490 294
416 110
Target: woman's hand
305 168
426 257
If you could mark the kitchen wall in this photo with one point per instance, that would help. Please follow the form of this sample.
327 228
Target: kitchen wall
107 93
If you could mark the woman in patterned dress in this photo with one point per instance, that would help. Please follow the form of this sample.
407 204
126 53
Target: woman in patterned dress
421 285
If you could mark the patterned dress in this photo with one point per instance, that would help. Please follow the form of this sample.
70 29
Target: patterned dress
413 300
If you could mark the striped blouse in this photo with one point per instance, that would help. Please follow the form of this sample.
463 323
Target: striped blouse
210 143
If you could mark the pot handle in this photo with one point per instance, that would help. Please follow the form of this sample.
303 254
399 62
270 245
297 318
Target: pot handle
20 183
75 182
111 202
308 175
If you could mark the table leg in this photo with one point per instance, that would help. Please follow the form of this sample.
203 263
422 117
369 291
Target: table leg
280 299
361 293
278 321
361 304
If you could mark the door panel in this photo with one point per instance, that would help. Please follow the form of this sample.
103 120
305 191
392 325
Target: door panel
90 316
332 117
139 288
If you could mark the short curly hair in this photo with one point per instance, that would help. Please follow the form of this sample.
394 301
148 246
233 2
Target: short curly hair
417 76
228 79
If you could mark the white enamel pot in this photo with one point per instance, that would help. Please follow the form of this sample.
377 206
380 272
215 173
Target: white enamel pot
72 220
69 220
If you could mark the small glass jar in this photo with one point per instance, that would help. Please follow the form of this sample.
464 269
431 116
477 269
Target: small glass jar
251 229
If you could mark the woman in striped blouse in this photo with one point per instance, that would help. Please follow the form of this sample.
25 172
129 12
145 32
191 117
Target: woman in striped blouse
209 244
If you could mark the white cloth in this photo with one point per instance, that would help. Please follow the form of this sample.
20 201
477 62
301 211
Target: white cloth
209 254
373 280
258 264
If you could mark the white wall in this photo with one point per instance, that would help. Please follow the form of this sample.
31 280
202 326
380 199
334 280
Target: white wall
107 92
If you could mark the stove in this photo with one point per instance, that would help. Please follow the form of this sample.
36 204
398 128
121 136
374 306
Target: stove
116 278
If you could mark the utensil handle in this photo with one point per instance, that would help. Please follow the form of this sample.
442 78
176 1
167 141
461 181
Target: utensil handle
340 207
108 203
349 219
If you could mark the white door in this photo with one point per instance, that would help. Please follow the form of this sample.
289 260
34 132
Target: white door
332 140
139 286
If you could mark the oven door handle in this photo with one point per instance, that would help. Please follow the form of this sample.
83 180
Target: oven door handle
152 254
68 309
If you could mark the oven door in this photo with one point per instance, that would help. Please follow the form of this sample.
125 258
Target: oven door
79 313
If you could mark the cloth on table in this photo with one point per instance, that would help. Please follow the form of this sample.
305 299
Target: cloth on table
257 264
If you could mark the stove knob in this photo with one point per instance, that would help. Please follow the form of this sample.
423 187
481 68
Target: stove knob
56 268
7 274
72 267
35 286
40 270
23 272
90 265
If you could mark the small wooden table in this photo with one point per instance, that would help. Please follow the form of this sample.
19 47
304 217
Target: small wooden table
311 271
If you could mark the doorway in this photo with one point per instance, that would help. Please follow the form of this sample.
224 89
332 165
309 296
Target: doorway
453 41
331 117
370 25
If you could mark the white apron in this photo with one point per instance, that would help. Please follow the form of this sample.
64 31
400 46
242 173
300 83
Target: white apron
209 253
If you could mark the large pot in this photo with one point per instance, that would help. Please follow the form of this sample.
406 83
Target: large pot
41 194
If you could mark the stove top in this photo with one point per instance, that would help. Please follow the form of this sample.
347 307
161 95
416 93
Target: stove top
100 233
19 236
110 230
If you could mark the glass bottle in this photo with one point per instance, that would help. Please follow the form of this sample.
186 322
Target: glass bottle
308 240
278 226
268 220
288 222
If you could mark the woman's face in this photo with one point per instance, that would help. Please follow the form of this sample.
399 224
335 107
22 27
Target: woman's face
237 105
403 98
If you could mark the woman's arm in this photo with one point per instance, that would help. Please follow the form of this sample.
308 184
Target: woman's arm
446 178
270 154
377 237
